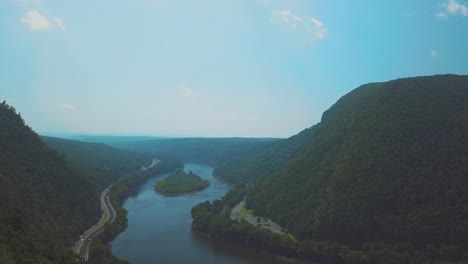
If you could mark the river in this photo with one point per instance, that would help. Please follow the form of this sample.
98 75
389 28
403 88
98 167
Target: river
159 228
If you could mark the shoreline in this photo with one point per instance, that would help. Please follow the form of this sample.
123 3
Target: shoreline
253 249
182 193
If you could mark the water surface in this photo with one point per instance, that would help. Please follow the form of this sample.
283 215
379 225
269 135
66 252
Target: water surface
159 228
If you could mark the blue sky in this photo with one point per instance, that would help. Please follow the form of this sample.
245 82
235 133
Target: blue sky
259 68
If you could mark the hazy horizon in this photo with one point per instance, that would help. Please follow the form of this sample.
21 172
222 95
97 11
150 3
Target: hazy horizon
259 68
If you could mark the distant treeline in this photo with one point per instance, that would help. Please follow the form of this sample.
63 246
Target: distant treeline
212 151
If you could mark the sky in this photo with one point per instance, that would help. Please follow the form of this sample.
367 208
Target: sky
214 68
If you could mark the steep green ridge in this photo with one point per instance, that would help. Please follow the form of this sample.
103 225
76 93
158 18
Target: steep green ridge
266 161
388 162
213 151
381 179
105 163
44 204
180 182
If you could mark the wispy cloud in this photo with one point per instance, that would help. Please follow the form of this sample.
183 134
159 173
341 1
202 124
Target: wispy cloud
61 24
441 15
452 7
187 92
310 25
68 107
455 7
35 21
434 54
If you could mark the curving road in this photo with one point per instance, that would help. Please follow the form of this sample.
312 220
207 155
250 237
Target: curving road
82 246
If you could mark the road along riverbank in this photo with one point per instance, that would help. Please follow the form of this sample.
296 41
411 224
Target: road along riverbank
81 247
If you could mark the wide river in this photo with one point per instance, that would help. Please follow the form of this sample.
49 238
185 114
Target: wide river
159 228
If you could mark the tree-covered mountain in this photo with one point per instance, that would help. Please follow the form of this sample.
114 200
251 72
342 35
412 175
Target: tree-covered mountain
213 151
103 162
385 172
264 162
44 204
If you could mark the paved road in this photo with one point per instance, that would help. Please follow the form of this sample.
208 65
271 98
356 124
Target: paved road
82 246
236 214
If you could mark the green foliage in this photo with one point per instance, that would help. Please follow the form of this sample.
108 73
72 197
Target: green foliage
120 190
180 182
213 151
209 218
101 253
44 204
262 164
386 163
104 163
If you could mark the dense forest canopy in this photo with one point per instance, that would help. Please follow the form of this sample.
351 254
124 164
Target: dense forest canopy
386 163
44 204
262 164
104 163
213 151
180 182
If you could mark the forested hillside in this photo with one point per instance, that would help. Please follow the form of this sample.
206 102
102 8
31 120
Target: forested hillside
103 162
384 172
213 151
44 204
266 161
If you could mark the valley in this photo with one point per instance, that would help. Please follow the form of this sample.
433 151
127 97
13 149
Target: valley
379 178
233 132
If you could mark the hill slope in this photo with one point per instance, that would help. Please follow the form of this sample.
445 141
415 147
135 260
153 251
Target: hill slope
263 163
44 204
384 173
105 163
213 151
388 162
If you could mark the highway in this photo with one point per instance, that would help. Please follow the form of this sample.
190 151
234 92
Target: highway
108 214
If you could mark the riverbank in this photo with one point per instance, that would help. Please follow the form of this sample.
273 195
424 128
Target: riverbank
82 245
160 225
100 249
239 212
213 219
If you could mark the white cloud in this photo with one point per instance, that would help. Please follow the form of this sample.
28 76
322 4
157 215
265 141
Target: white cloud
60 23
68 107
452 7
441 15
434 53
187 92
311 25
319 30
36 21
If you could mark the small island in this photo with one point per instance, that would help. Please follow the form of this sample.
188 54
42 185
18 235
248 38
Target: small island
180 182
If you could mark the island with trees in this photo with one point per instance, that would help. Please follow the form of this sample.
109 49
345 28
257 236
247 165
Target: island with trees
180 182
